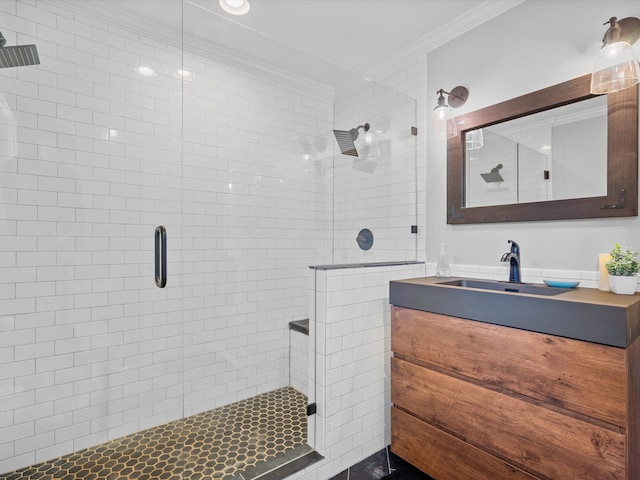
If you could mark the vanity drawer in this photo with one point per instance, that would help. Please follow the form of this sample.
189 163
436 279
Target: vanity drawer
582 377
533 437
444 456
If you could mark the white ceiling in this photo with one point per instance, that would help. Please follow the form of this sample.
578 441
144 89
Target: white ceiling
325 40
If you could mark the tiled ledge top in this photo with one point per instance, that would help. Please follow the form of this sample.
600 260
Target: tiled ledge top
363 265
301 326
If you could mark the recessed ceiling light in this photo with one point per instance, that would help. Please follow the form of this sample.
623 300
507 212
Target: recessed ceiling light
184 74
146 71
235 7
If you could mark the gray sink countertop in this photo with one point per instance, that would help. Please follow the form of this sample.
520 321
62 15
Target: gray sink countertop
581 313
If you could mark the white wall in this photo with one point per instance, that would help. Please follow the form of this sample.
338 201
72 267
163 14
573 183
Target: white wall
578 150
534 45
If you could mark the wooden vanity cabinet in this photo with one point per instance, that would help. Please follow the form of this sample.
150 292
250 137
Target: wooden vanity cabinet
477 401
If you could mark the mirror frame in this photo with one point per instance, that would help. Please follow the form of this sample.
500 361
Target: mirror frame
622 158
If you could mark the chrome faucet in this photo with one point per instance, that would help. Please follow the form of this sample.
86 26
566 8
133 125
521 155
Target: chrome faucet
513 257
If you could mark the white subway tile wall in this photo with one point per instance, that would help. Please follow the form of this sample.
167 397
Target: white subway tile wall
377 189
236 162
254 217
92 157
299 361
351 314
90 348
587 278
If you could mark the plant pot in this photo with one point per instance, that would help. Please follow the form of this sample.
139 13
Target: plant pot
623 285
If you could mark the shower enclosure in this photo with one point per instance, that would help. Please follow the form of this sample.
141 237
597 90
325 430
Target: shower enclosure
126 126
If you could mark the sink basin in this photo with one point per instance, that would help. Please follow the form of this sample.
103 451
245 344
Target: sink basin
505 286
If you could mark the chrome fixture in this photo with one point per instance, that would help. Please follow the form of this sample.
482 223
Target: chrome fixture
346 139
17 56
513 257
365 239
443 123
616 66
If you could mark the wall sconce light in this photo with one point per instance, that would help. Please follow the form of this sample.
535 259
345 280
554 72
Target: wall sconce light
616 66
443 123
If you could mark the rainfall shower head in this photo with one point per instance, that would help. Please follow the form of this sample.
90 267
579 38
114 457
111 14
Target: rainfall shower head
494 175
346 139
17 56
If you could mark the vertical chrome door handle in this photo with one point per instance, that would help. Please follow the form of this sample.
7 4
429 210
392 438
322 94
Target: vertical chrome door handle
161 256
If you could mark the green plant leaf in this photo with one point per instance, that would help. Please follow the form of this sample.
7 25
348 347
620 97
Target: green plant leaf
624 262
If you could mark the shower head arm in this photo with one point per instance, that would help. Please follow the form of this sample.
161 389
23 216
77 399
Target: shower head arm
354 132
346 139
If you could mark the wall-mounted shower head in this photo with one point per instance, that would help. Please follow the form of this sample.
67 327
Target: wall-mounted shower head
346 139
17 56
494 175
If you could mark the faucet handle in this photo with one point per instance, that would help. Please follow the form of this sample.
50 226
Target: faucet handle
505 257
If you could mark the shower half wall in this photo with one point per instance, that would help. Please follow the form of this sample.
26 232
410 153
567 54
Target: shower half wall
95 155
349 298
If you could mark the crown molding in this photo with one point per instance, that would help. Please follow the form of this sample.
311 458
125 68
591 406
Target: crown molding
485 11
103 11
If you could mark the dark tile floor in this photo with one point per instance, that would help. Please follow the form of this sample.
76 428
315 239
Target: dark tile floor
383 465
240 441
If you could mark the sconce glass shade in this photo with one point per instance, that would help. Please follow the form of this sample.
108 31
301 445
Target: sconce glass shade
616 68
443 123
474 139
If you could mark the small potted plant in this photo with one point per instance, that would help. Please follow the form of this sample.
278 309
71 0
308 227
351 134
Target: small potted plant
622 269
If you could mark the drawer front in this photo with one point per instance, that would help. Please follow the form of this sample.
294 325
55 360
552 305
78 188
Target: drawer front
443 456
583 377
532 437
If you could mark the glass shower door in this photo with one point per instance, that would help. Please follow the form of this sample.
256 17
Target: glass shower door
250 233
90 165
119 130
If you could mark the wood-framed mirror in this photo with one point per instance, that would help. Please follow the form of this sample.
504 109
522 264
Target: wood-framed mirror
619 195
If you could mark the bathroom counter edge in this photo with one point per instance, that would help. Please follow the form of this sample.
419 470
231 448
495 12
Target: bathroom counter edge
582 313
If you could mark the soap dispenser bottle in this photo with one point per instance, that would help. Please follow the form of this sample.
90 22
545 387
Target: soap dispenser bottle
442 268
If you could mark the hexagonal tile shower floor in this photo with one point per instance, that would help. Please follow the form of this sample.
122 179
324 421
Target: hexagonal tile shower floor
224 443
